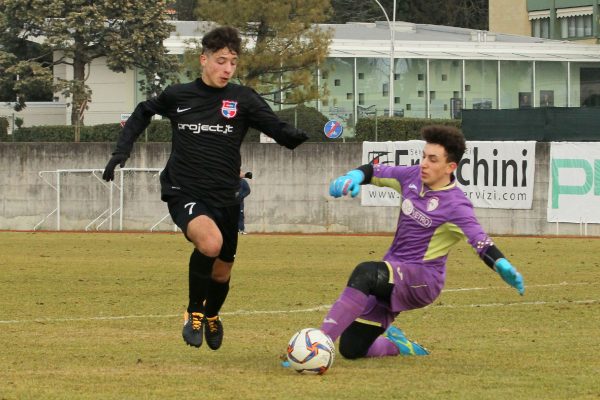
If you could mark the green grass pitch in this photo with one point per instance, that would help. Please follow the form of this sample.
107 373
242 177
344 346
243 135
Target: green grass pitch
99 316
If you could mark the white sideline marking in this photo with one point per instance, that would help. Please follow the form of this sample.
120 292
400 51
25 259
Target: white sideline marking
526 286
327 307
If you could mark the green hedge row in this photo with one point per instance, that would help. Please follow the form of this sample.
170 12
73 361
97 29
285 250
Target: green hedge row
306 118
383 129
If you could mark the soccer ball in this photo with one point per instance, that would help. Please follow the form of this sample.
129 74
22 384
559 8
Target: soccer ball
310 351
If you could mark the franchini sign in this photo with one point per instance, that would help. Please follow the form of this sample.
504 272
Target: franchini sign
491 174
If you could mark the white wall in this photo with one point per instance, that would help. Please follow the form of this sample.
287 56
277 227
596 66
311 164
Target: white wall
289 191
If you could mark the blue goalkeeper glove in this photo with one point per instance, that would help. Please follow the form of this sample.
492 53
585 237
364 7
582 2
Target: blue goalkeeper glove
347 183
510 275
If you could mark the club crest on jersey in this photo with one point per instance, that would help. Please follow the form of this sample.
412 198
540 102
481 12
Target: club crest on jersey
433 203
229 108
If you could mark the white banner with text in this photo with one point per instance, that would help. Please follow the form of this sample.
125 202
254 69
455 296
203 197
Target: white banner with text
491 174
574 189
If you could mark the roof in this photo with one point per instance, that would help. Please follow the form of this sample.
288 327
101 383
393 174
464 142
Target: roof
360 39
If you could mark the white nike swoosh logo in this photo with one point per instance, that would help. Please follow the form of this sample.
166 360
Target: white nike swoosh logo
329 321
183 109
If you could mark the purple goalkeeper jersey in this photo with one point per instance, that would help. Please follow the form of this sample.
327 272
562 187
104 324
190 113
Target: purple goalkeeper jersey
430 223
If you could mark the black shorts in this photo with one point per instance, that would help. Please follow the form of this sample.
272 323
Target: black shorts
183 209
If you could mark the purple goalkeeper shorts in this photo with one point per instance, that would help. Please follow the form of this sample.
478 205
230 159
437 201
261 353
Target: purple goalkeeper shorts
415 286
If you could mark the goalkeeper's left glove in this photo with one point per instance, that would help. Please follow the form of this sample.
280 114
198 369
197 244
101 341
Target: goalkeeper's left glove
347 183
510 275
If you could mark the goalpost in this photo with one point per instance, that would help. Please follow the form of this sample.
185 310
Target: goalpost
104 201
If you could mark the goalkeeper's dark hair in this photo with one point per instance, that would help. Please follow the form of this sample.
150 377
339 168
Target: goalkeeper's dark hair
220 38
450 138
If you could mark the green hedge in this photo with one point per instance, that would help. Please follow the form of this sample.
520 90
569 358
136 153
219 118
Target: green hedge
306 118
158 131
394 129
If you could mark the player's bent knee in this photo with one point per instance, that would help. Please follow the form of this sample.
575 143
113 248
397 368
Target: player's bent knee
208 249
364 277
350 352
352 346
206 236
372 278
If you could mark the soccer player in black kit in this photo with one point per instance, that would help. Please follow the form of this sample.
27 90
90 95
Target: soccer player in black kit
201 181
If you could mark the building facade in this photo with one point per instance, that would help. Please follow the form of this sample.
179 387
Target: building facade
573 20
429 72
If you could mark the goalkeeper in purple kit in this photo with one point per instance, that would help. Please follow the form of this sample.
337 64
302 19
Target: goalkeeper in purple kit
435 215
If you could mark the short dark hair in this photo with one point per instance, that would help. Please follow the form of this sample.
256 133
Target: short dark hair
450 138
220 38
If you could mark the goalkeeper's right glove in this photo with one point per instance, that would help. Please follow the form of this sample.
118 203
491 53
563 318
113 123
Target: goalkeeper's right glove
347 183
510 275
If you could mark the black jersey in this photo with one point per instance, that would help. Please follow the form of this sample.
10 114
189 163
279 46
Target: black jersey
209 125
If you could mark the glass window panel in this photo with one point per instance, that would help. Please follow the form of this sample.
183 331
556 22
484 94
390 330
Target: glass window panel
481 80
587 25
585 84
374 86
545 28
551 84
535 28
564 28
571 23
516 79
410 87
442 103
338 106
579 25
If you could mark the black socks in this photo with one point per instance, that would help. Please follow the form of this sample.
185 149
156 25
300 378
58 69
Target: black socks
199 278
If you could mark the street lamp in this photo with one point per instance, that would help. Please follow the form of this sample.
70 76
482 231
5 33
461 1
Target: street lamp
391 88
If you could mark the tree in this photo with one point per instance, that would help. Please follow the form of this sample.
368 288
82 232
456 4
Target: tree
24 66
359 11
184 9
462 13
127 33
282 46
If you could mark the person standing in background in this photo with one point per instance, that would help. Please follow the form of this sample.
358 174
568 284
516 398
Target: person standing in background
244 192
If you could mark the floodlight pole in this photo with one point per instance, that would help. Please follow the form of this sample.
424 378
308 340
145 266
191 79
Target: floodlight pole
392 37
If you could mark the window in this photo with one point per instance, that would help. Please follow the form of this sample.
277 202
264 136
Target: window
385 89
337 82
361 75
576 27
361 99
540 28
